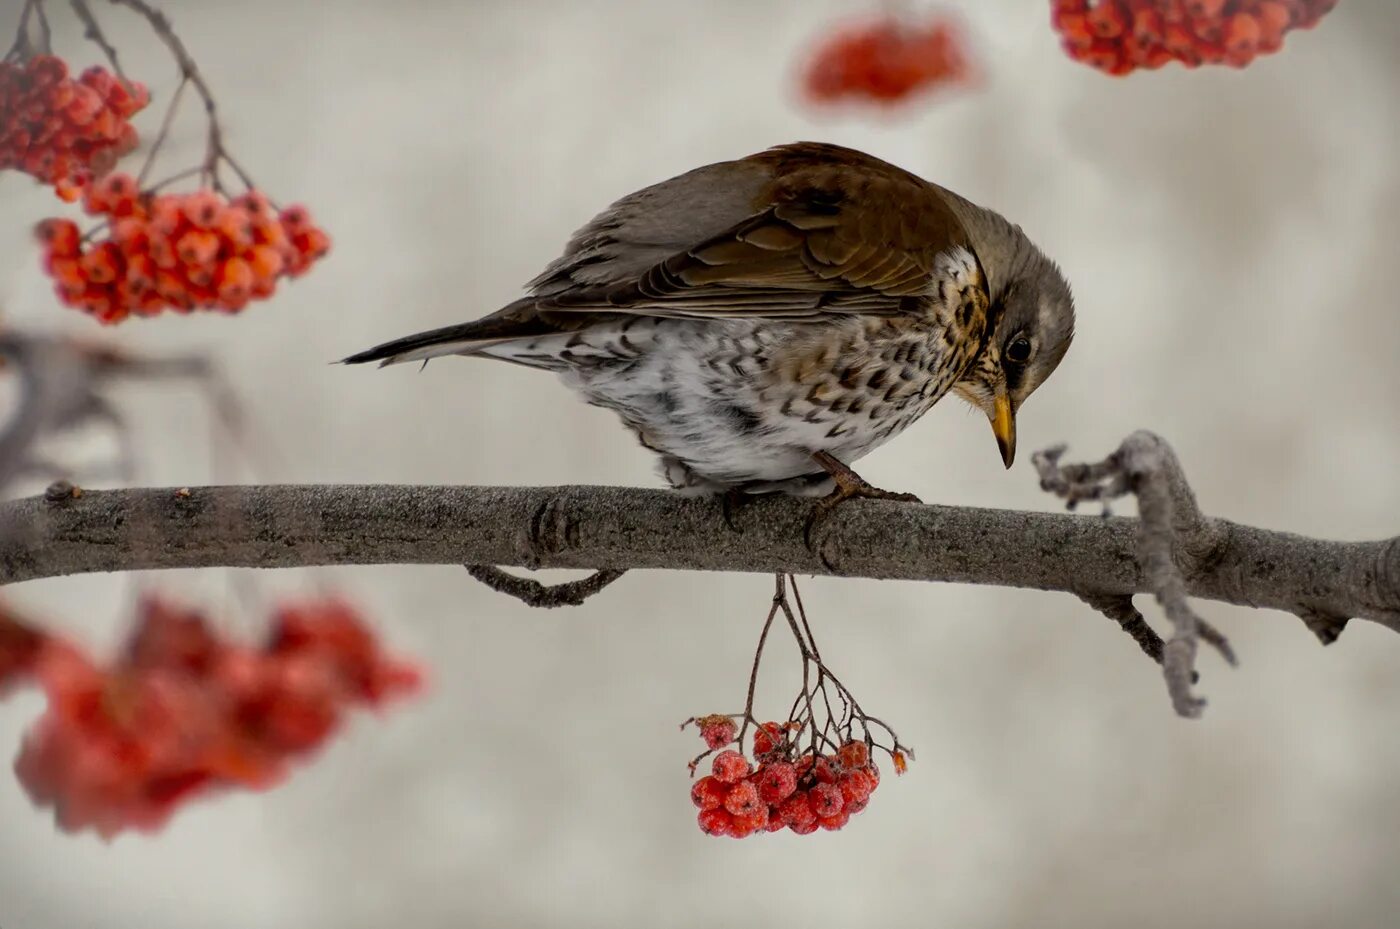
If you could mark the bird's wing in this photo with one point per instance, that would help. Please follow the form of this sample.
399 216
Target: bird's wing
827 231
800 232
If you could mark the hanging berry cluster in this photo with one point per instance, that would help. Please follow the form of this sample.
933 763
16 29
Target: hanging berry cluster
54 126
180 252
185 712
214 248
887 60
175 251
1121 36
813 771
782 787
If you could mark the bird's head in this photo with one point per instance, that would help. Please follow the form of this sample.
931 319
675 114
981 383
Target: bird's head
1032 317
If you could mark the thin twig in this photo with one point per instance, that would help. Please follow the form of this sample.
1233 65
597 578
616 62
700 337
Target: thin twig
215 152
166 122
533 593
1145 466
23 46
92 31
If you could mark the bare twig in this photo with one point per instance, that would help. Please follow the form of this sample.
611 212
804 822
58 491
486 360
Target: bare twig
63 385
1326 626
533 593
23 46
92 31
1121 610
215 152
1145 465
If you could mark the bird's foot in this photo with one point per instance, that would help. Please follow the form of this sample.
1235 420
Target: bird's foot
729 503
849 486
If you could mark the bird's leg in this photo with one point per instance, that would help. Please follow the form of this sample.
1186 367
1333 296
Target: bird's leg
729 503
849 485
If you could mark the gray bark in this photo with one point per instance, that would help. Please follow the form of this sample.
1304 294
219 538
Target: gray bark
618 527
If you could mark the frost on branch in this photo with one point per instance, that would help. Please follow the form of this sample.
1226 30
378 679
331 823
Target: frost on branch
1145 466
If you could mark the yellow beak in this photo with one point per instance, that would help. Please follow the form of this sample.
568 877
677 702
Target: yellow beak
1004 427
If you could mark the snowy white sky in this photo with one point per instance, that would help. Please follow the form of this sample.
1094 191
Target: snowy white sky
1231 240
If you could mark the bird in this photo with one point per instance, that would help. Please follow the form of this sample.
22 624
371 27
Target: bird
762 323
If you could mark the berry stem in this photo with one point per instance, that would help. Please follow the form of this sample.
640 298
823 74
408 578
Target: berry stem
215 153
166 122
23 46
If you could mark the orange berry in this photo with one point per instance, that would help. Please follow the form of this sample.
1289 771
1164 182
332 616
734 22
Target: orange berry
312 243
141 272
199 276
236 226
203 208
1242 35
296 219
68 189
1203 9
66 272
171 286
131 234
101 265
267 230
233 279
59 236
197 247
167 215
265 262
1107 20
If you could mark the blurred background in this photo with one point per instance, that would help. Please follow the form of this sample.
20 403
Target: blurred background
1231 237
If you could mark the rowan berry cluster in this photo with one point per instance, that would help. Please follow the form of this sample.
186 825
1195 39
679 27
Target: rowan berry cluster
54 126
1121 36
176 251
783 787
887 60
184 712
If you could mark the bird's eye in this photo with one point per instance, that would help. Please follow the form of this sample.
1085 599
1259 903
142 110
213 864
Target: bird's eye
1019 351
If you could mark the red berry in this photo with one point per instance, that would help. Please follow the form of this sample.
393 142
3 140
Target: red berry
708 793
827 800
767 739
59 236
717 731
716 822
743 799
853 755
797 809
730 766
749 823
832 823
805 828
856 785
777 781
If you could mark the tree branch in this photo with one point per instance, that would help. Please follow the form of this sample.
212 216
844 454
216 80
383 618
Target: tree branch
533 593
621 528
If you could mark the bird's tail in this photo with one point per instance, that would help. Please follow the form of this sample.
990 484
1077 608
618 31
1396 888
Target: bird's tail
515 321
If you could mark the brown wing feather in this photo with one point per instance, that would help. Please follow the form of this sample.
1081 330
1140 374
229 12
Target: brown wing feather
799 232
834 231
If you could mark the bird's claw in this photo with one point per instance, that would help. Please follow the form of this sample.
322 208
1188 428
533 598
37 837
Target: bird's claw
849 486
